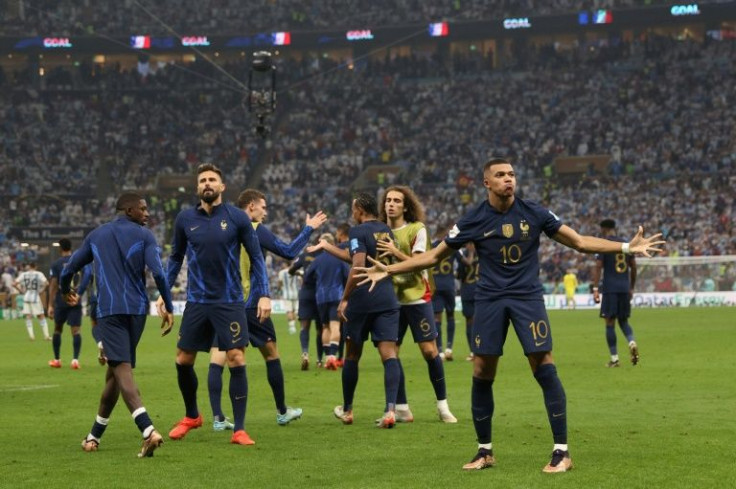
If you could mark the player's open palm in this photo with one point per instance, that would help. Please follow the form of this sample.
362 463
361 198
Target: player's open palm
316 220
374 274
646 246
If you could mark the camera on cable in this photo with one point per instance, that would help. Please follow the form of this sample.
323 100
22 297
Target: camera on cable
262 91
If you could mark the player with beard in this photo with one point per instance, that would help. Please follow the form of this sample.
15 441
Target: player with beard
210 235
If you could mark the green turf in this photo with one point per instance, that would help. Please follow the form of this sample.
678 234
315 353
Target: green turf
666 423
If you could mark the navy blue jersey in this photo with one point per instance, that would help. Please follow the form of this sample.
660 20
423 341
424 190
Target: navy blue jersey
212 246
362 239
272 243
507 245
121 251
330 274
55 272
468 275
616 269
309 286
444 271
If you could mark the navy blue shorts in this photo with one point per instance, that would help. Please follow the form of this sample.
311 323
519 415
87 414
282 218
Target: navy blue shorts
468 308
68 315
328 312
259 333
308 310
420 318
120 335
443 300
616 305
206 325
382 326
491 325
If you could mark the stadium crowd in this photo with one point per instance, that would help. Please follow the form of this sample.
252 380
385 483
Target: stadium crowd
662 109
75 17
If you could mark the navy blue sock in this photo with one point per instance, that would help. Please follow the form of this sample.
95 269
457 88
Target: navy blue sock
626 329
438 323
349 383
304 339
275 375
56 344
341 348
391 376
401 393
318 340
481 402
76 344
611 339
437 376
143 420
188 384
214 386
554 400
98 429
450 331
238 395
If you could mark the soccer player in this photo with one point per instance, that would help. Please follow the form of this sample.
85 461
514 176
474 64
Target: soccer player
121 251
32 284
619 278
211 235
262 334
468 273
403 212
570 283
376 313
443 297
60 311
330 274
307 310
506 231
289 284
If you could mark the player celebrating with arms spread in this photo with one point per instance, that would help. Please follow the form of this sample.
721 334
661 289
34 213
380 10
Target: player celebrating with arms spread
506 232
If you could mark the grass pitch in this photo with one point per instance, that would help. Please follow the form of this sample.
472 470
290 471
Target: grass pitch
667 423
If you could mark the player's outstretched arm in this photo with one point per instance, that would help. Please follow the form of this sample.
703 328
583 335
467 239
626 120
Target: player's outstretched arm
590 244
379 271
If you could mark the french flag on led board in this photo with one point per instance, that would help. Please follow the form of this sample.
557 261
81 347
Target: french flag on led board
140 42
439 29
281 38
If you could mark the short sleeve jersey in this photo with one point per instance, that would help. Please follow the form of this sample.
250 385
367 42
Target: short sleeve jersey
507 245
616 269
362 239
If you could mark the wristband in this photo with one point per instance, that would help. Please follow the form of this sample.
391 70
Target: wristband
625 248
595 289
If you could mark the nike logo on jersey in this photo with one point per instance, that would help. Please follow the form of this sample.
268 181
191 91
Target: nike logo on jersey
193 228
488 233
539 343
557 415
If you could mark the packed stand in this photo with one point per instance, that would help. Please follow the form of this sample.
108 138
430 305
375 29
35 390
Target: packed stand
120 18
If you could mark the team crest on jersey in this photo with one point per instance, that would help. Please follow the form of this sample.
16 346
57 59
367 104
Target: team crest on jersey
524 226
477 341
223 225
507 230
